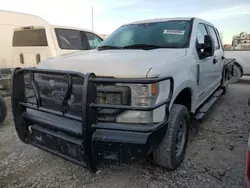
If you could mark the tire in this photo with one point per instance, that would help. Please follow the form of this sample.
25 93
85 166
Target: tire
6 85
3 110
167 154
237 75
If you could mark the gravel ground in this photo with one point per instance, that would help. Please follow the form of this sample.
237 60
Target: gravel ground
215 156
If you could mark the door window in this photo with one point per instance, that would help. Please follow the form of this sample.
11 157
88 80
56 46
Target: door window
93 40
214 36
69 39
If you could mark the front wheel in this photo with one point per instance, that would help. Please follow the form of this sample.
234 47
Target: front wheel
171 151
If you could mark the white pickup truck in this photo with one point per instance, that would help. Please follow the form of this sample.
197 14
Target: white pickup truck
242 62
131 97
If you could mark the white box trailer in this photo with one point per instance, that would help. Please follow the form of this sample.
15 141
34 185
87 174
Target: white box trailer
8 21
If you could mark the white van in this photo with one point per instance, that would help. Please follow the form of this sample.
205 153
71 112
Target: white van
8 21
32 44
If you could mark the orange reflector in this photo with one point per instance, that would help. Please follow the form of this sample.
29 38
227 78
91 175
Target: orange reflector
154 89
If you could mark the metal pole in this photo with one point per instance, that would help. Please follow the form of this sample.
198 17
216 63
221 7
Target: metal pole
92 19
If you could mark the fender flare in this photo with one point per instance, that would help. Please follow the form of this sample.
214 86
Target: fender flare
188 84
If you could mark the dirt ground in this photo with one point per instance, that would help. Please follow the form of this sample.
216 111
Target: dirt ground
215 156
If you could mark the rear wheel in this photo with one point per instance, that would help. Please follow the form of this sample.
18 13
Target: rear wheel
236 75
171 151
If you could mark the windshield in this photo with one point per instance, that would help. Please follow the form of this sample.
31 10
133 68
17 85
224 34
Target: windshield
168 34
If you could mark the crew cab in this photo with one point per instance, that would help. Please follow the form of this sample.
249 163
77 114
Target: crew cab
130 98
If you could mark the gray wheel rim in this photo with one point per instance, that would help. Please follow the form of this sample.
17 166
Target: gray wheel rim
235 75
181 138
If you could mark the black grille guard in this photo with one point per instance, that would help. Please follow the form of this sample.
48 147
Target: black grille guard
89 117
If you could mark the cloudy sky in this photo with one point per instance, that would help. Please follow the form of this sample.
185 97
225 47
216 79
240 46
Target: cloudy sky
230 16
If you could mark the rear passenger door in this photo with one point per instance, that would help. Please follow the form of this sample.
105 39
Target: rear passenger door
218 56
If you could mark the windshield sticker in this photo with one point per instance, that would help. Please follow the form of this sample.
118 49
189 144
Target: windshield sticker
173 32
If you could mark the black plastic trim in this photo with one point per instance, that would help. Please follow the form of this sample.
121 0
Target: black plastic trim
130 127
131 80
53 122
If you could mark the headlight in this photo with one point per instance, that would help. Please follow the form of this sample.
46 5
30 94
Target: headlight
109 98
142 95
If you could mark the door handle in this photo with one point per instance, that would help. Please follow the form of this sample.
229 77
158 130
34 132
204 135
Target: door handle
215 61
21 58
38 58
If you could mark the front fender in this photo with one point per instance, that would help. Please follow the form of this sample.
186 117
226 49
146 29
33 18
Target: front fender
187 84
184 74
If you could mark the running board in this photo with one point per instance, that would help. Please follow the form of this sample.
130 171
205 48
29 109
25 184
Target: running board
208 104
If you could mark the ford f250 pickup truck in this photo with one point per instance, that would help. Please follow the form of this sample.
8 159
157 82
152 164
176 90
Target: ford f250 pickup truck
130 98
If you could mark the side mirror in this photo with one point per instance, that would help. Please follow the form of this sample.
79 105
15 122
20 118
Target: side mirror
207 49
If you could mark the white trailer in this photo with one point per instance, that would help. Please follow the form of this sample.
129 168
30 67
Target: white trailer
10 20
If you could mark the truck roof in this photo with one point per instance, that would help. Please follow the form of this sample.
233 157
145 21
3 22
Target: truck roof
167 19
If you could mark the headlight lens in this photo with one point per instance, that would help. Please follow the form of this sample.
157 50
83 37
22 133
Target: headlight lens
142 95
109 98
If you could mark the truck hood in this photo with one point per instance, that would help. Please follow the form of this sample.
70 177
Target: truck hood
117 63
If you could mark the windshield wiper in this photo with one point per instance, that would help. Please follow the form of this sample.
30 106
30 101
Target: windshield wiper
142 46
134 46
108 47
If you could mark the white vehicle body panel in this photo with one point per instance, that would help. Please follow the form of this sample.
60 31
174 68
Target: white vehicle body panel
118 63
242 58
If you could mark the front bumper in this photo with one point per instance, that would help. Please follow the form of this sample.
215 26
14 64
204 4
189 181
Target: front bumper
124 146
82 139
